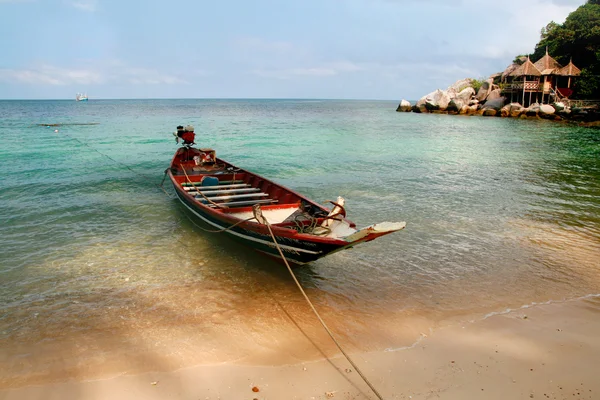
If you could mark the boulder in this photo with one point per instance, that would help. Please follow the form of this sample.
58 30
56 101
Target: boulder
456 105
515 109
495 104
466 95
437 100
420 106
485 90
546 111
533 110
494 94
558 106
461 85
490 112
511 110
404 106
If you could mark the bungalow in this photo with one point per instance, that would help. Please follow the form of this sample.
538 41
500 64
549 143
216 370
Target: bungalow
544 82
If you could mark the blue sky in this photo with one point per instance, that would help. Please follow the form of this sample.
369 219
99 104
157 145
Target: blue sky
342 49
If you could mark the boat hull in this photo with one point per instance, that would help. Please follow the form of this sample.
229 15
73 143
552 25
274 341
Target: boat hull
295 250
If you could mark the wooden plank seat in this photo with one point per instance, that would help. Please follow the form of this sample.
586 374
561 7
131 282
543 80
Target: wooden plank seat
219 187
246 203
225 191
221 183
231 197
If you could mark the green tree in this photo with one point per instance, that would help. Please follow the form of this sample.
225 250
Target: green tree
578 38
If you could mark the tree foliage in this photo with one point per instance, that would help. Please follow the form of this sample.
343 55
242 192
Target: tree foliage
578 38
476 83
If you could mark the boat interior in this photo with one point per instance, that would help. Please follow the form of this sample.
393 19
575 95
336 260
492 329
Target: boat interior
227 189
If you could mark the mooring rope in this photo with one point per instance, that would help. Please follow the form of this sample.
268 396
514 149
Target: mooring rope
118 162
261 220
258 215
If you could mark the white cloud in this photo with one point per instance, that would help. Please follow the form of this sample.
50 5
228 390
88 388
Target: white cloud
110 72
325 70
515 27
85 5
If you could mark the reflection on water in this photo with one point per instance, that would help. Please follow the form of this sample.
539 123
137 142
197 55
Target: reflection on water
102 274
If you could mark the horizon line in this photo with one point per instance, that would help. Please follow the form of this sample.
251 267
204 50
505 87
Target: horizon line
196 98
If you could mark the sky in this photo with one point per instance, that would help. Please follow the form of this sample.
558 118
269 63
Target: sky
326 49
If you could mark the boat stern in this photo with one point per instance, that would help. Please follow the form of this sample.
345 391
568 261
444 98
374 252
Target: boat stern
374 231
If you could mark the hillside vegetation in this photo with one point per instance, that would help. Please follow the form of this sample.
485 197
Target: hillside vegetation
577 38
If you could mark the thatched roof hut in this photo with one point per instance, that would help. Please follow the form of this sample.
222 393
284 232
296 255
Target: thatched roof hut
569 70
527 68
547 65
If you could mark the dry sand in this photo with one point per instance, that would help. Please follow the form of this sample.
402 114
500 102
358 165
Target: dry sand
549 351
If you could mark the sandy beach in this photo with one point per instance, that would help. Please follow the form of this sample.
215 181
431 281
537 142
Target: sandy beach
546 351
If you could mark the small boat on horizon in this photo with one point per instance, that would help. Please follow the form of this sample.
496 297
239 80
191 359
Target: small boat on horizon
81 97
228 198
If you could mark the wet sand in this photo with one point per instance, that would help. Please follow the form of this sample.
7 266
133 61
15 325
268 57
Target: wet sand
547 351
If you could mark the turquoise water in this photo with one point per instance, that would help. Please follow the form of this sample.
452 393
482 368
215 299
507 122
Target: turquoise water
102 272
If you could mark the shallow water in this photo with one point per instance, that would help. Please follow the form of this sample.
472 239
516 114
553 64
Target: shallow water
101 273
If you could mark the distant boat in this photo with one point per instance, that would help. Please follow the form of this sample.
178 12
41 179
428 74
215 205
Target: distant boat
81 97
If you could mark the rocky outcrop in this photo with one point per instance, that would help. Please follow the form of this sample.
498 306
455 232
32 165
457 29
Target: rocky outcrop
404 106
461 98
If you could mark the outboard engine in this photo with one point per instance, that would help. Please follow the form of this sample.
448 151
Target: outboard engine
186 134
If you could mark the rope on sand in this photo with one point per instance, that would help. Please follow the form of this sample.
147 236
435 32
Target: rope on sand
262 220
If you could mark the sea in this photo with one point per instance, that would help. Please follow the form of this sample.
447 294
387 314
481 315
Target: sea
103 273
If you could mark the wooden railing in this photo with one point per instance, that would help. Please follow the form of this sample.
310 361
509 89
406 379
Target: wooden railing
530 86
581 103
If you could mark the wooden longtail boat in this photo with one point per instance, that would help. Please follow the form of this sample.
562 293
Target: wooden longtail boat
225 197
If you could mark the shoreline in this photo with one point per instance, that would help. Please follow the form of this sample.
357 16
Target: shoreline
537 351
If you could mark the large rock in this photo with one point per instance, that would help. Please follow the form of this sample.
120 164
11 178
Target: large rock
420 106
515 109
404 106
558 106
466 95
546 111
485 90
490 112
461 85
437 100
533 110
511 110
456 105
494 94
495 104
